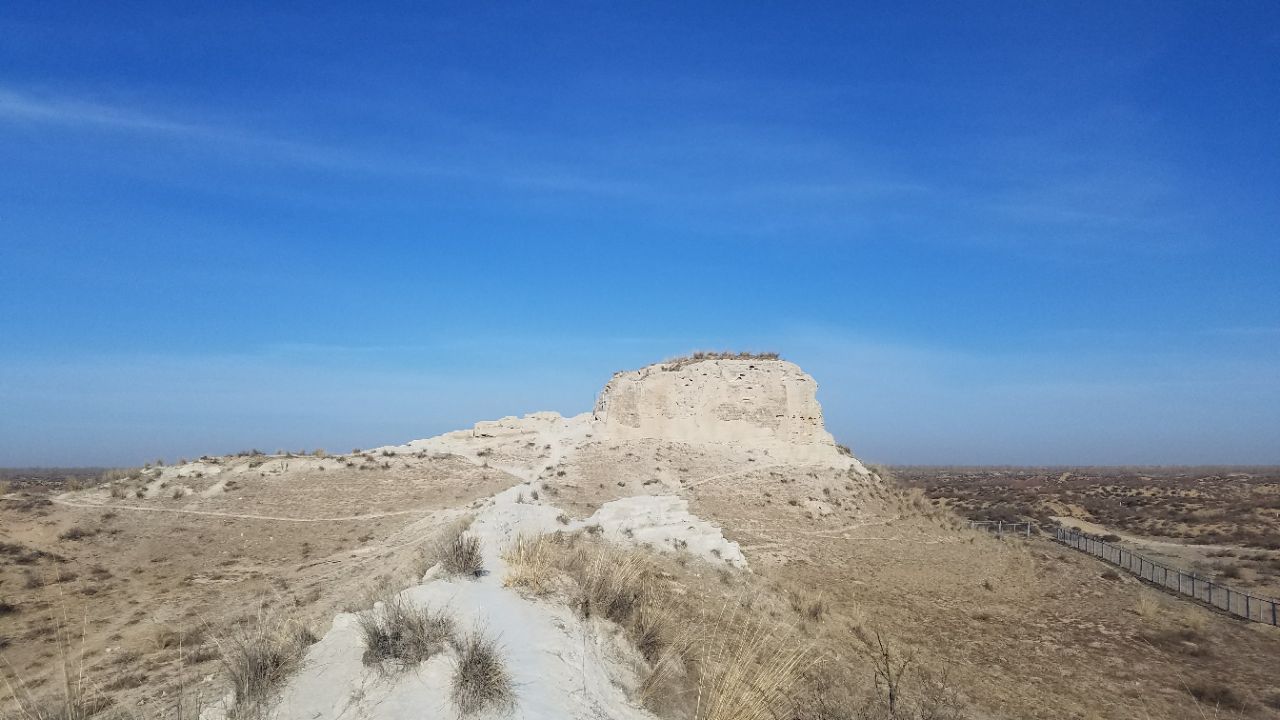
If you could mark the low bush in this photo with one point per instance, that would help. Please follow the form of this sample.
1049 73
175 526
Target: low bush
808 605
530 563
75 697
480 677
76 532
461 556
1216 694
701 355
397 632
451 550
258 656
730 661
748 671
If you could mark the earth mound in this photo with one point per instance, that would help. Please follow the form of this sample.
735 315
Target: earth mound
764 403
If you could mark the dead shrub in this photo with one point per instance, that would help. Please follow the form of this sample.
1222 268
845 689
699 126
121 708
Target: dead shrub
480 677
398 633
448 548
75 533
812 606
677 363
258 656
531 563
728 662
461 556
165 636
75 699
749 671
907 690
1218 695
612 581
1185 639
1146 607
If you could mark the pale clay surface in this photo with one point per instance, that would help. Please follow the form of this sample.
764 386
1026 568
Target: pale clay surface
563 666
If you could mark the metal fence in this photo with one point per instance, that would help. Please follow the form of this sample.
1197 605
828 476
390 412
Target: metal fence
1001 528
1240 604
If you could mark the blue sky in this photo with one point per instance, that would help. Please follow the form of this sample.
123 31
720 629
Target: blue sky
1013 233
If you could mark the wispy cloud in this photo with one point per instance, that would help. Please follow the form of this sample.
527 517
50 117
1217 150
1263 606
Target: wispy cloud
1248 331
64 111
259 147
717 179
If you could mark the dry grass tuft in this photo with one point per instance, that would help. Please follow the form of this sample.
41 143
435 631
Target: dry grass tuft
1187 634
698 656
677 363
451 550
531 563
1147 607
76 698
398 633
258 656
461 556
480 678
1217 695
750 671
613 582
812 606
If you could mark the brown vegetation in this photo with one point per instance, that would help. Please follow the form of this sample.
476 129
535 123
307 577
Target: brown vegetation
398 633
257 656
677 363
480 677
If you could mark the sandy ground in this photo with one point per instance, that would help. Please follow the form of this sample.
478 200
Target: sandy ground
1026 629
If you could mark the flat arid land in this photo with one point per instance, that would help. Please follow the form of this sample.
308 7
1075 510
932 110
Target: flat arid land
696 545
1221 522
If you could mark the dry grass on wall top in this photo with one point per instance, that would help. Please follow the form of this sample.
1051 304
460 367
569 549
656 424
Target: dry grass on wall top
677 363
710 653
399 634
480 677
457 552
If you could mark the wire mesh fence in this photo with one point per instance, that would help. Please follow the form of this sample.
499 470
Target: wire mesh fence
1183 582
1001 528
